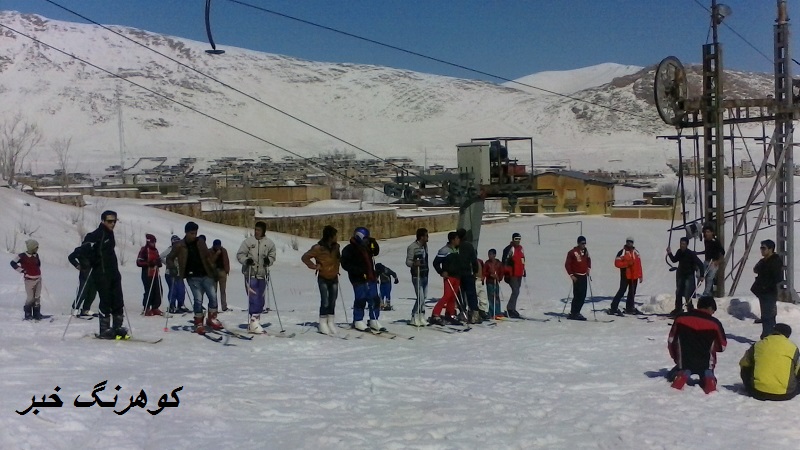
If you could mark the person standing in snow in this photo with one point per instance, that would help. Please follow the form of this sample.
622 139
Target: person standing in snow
358 260
491 275
449 265
149 260
514 264
578 265
469 276
629 264
770 368
769 272
176 288
98 248
30 266
693 343
417 261
385 275
256 254
688 265
219 257
86 289
714 257
194 265
324 258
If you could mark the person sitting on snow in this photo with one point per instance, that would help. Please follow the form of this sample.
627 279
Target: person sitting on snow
694 340
770 368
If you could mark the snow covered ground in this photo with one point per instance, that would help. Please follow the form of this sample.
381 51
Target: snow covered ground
518 385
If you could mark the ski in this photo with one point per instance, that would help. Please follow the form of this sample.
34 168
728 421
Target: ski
237 335
131 339
441 328
531 319
215 339
453 328
278 335
390 335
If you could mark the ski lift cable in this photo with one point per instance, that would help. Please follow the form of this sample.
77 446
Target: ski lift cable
438 60
726 25
224 84
191 108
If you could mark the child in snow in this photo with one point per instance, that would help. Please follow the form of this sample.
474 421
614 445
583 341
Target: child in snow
385 275
28 264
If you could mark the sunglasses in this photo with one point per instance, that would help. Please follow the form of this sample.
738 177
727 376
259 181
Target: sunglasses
111 221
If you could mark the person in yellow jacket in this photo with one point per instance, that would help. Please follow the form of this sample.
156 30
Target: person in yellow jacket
770 368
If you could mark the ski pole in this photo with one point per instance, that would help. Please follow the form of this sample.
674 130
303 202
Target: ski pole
566 301
277 311
344 306
149 292
76 300
167 315
591 296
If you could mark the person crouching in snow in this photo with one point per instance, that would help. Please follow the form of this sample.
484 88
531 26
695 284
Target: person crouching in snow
256 255
385 275
28 264
149 260
357 260
770 369
324 259
694 340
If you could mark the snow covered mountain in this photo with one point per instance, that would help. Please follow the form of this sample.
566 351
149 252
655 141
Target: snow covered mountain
386 111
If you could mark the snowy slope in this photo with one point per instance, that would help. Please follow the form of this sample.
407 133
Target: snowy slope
571 81
560 385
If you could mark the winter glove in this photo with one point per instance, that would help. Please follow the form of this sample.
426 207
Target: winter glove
266 261
396 281
20 270
249 262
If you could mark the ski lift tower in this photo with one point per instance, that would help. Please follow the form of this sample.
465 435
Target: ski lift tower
711 112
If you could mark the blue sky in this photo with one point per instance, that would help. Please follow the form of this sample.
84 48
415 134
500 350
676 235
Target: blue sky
510 38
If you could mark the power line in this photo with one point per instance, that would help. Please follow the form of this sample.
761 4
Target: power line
191 108
431 58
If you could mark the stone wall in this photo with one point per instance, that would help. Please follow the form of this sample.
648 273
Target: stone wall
643 212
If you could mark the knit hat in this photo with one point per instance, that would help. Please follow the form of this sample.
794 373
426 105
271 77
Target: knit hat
174 238
217 243
191 226
782 328
516 236
32 246
629 239
150 238
581 240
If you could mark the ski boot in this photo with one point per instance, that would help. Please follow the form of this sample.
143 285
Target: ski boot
254 327
198 324
376 326
120 331
212 321
322 326
37 312
28 312
106 332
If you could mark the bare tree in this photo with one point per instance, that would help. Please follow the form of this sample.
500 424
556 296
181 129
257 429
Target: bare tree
17 138
61 148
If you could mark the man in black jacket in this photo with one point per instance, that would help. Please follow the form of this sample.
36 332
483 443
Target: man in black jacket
471 272
714 257
98 248
769 272
358 260
688 265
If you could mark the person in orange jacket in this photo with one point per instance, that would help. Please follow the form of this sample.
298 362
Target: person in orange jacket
629 264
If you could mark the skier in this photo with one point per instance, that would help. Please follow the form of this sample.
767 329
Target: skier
30 266
694 340
629 264
98 248
176 287
770 369
469 276
86 288
358 260
417 261
491 276
149 260
769 272
192 259
256 254
385 275
448 264
514 264
688 265
221 262
578 265
714 255
324 258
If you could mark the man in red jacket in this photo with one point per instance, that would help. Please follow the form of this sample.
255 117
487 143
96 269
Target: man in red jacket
514 265
149 260
578 265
